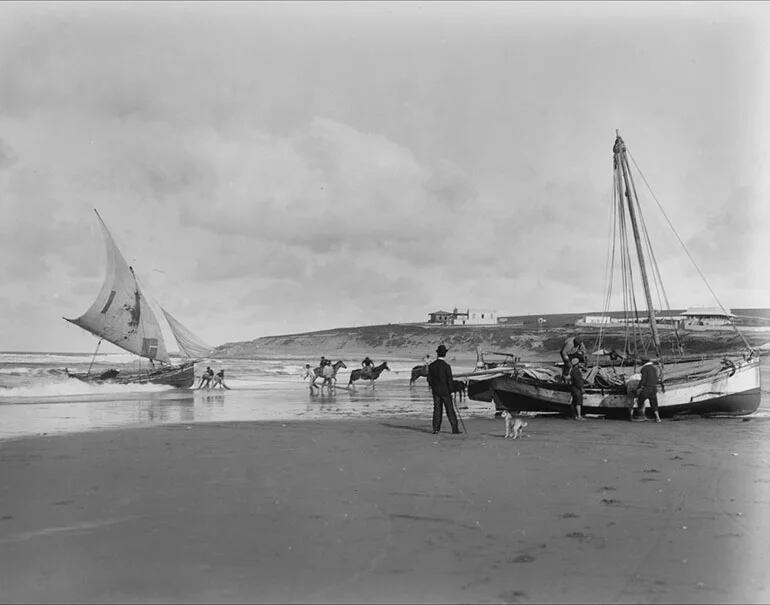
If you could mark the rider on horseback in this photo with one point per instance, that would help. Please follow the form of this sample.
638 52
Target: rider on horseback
368 367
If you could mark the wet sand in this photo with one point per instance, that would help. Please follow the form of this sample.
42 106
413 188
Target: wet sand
380 510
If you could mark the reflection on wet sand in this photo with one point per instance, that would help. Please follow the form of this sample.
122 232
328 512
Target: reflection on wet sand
281 401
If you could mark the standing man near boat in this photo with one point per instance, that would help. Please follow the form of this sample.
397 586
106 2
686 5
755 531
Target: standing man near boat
576 388
573 348
648 389
441 382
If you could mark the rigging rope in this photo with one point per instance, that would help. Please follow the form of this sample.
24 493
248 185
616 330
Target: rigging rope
657 279
687 252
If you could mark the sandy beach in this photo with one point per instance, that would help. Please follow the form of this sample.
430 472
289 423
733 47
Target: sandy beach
380 510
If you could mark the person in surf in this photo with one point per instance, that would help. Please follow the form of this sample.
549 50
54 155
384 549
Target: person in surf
206 378
219 379
310 373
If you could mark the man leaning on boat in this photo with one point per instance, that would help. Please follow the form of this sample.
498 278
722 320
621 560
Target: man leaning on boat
573 348
647 389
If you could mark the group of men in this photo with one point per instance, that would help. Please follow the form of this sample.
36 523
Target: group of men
209 380
573 354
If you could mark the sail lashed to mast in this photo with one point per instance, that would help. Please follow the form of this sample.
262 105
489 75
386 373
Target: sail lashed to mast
192 346
120 314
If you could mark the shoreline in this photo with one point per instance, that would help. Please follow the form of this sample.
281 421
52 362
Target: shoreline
380 510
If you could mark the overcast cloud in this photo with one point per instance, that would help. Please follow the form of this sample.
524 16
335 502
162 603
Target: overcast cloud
274 168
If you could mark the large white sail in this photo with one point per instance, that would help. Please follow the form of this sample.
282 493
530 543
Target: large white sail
120 314
191 345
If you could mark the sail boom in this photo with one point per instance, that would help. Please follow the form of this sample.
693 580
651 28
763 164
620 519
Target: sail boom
112 341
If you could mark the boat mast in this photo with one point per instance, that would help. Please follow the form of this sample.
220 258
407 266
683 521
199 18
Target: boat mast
621 161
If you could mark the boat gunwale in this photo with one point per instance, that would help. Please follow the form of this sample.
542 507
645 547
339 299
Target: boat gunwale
743 365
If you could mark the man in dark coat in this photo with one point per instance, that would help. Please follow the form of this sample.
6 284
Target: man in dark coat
576 388
441 383
648 388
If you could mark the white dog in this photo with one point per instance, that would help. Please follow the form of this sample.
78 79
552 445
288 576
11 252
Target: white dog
513 426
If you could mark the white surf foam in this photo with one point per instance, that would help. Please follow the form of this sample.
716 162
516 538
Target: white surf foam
69 386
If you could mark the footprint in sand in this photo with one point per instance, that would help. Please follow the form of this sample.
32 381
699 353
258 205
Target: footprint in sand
610 501
525 558
569 516
512 596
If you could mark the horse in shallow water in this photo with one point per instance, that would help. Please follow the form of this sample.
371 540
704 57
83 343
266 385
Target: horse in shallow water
331 378
359 374
417 372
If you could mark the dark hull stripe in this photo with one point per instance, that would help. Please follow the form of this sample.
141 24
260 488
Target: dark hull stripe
182 377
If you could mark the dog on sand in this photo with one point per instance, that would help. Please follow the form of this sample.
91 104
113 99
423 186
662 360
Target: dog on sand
514 426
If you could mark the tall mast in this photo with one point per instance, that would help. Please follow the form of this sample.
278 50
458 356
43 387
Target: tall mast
621 161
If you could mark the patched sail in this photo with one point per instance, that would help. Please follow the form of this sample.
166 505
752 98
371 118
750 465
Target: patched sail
189 343
120 314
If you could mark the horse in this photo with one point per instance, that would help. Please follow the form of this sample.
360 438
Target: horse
376 371
329 380
459 386
417 372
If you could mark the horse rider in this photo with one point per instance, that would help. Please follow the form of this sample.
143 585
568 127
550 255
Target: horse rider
368 367
328 372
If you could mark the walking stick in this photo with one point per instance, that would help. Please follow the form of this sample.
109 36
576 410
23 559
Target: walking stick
457 411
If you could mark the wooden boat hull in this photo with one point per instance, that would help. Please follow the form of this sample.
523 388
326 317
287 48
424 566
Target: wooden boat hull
729 392
181 376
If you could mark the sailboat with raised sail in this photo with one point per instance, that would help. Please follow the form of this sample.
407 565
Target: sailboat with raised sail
121 315
725 384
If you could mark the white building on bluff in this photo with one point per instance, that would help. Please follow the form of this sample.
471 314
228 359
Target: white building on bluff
469 317
707 318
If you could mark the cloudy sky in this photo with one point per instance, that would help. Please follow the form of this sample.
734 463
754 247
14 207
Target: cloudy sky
272 168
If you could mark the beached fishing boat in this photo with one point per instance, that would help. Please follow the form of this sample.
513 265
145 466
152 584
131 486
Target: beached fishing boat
121 315
690 384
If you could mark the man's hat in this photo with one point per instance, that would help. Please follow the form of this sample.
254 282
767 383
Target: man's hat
441 350
644 359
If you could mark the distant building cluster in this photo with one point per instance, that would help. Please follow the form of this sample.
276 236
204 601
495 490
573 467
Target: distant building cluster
469 317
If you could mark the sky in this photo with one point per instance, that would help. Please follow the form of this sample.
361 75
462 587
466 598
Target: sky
274 168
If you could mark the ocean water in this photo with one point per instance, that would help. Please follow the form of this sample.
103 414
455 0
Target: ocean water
38 398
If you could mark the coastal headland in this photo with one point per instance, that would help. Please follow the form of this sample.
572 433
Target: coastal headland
415 340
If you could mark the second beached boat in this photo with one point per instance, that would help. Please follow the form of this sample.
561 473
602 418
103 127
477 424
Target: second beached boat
706 385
